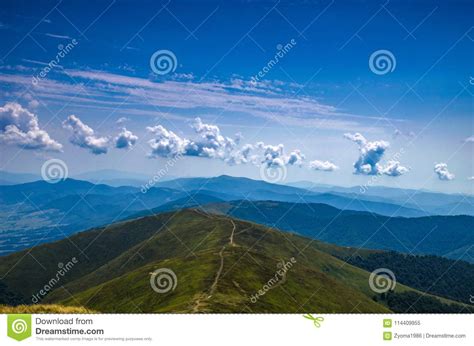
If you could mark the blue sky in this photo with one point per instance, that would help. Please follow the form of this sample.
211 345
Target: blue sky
313 100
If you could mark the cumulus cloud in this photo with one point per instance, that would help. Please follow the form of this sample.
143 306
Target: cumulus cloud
356 137
20 127
370 155
326 166
296 158
241 156
211 143
84 136
125 139
272 154
441 169
166 143
470 178
394 169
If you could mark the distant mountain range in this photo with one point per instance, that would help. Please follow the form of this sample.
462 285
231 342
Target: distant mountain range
219 264
8 178
38 212
110 177
433 203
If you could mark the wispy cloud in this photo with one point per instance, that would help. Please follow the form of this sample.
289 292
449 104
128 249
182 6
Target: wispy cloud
469 139
269 100
66 37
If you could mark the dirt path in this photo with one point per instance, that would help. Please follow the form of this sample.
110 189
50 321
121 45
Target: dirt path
232 234
212 289
221 255
199 304
219 272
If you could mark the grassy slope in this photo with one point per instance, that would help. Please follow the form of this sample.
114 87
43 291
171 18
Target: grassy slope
115 275
92 249
317 281
44 309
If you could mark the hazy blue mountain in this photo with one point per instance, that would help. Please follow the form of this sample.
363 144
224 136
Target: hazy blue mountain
434 203
40 212
195 200
244 188
114 177
110 174
10 178
42 191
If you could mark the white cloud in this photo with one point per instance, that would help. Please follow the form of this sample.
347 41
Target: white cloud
58 36
84 136
296 157
211 143
269 100
470 178
241 156
370 155
326 166
397 133
122 120
394 169
356 137
125 139
166 143
469 139
441 169
272 154
20 127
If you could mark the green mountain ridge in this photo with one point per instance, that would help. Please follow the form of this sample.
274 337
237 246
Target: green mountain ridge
420 235
220 263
